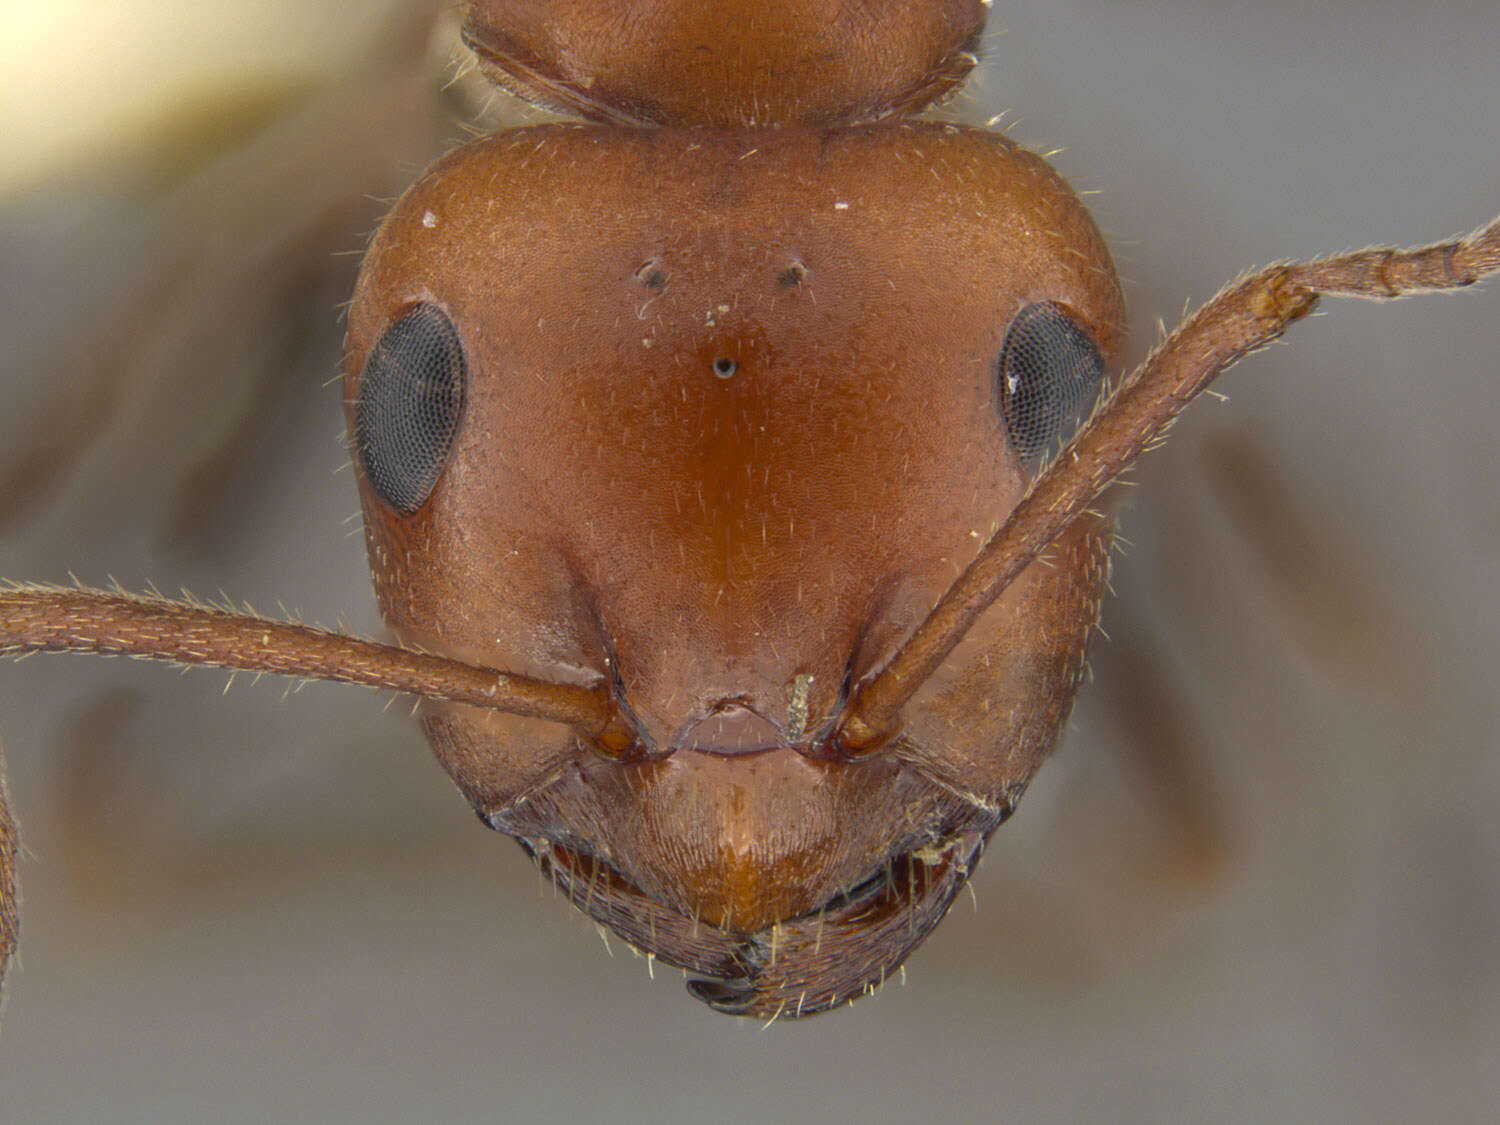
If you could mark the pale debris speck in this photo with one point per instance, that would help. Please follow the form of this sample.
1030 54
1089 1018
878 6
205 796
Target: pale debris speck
429 219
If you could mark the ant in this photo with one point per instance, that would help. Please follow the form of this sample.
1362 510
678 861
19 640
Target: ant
627 653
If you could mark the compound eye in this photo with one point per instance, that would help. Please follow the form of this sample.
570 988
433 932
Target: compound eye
408 404
1049 376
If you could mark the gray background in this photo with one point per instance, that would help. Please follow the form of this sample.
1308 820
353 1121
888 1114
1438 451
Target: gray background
246 907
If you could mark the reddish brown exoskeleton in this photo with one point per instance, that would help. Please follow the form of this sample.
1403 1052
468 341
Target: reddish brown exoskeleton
686 417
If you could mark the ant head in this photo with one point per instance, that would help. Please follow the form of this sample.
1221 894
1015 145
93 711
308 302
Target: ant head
670 415
685 62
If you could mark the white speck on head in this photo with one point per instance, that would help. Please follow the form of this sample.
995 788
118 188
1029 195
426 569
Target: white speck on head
841 206
429 220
